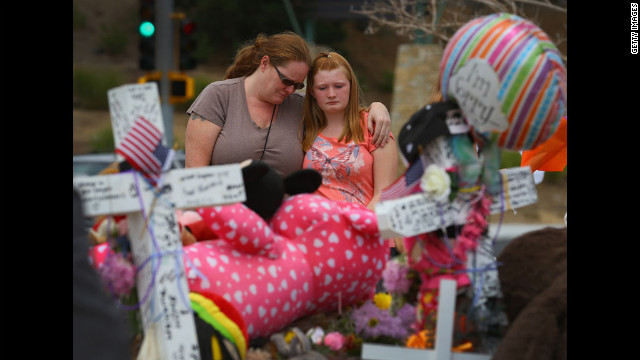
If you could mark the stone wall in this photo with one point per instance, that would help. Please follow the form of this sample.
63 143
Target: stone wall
415 77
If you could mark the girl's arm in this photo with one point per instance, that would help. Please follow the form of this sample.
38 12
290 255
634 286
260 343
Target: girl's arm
385 170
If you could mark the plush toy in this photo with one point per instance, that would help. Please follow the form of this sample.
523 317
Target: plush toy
222 333
533 279
192 227
282 254
306 255
265 191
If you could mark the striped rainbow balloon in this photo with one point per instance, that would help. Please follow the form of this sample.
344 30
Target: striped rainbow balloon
509 79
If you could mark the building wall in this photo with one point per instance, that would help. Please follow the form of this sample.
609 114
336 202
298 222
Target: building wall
415 77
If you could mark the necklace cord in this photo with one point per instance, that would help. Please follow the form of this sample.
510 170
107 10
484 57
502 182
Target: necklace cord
268 131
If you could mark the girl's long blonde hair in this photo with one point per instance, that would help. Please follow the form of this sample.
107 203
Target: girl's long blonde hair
313 118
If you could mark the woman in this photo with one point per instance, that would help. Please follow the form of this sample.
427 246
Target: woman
255 112
336 140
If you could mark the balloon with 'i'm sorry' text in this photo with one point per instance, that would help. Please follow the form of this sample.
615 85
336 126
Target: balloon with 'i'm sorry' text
508 78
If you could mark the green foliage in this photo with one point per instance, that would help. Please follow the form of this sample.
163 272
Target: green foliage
102 141
79 19
363 80
113 40
557 177
509 158
200 82
230 23
90 87
330 32
203 50
387 80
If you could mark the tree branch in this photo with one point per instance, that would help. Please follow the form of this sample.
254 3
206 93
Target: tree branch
441 18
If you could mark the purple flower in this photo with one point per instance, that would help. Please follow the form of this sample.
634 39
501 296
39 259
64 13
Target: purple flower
370 322
407 315
395 277
118 274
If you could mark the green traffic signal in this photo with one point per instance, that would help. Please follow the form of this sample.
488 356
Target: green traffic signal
147 29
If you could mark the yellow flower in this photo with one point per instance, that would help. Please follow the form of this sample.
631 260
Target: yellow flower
290 335
382 301
428 297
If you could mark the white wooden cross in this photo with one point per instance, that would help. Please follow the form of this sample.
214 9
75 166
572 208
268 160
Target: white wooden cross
154 235
417 214
444 336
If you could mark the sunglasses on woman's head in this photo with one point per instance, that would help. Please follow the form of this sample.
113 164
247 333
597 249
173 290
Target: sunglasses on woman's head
288 82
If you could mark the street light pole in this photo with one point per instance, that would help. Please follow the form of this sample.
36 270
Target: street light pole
164 61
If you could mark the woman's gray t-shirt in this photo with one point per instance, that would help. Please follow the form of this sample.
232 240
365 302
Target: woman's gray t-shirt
224 103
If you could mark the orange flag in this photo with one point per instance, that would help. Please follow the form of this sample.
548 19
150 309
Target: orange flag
551 155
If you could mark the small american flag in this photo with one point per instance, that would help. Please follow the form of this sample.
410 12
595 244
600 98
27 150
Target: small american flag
142 148
407 184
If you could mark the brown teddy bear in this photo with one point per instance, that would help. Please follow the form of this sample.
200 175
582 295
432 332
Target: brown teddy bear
533 280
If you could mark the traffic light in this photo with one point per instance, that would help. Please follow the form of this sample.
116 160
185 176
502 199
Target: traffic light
181 86
147 32
187 45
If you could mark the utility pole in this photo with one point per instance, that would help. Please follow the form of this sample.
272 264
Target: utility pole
164 61
166 49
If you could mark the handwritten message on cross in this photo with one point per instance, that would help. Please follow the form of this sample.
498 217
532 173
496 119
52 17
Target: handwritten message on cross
153 228
418 214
